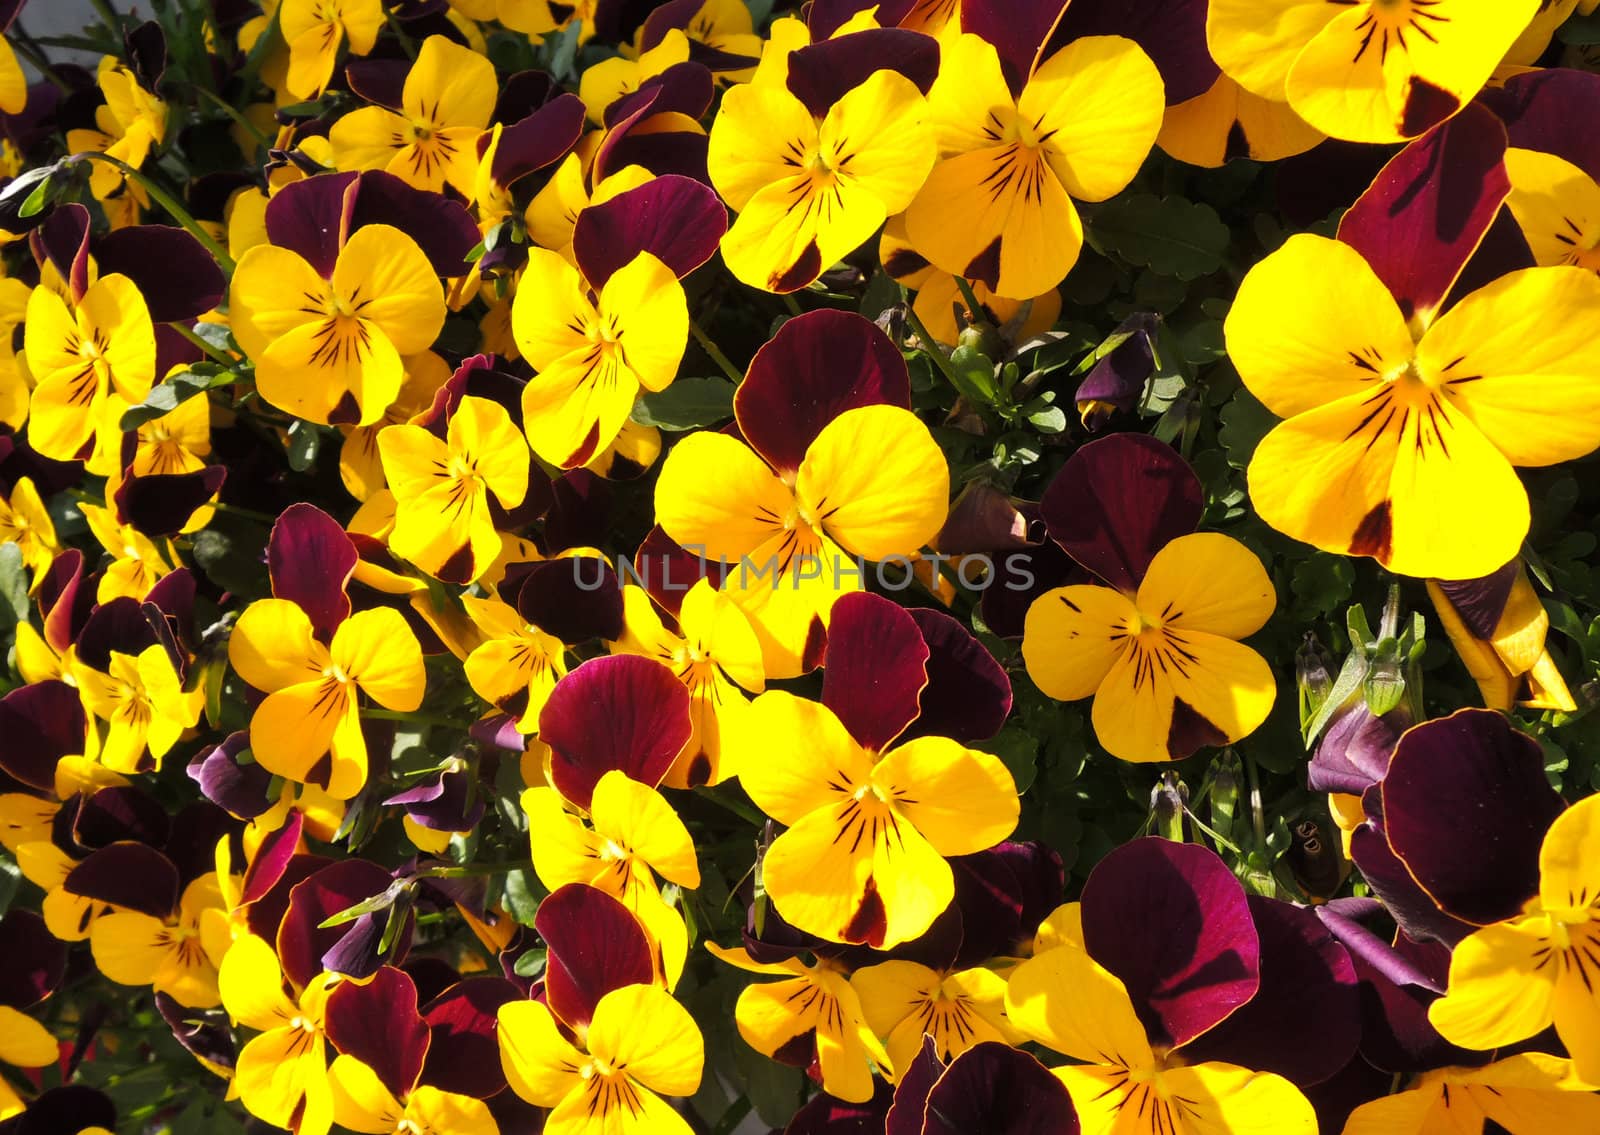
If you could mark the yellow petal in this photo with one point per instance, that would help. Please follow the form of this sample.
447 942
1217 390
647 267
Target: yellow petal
1557 206
808 749
1569 859
1096 106
540 1066
282 1078
1073 636
641 1028
1502 985
378 651
360 1101
647 302
551 310
1240 1101
384 277
1064 999
760 136
961 800
272 645
1208 582
24 1042
1256 41
715 497
252 985
639 818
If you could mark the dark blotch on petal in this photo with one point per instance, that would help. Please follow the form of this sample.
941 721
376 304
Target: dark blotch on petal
807 267
1374 536
1190 731
870 923
985 267
1426 106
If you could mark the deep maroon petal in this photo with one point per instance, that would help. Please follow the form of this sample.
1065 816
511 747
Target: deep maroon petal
575 598
595 944
378 1023
1020 578
379 81
619 712
203 1032
1173 923
677 220
272 859
993 1087
1397 1034
130 875
536 141
442 228
178 278
1119 378
1120 500
448 802
464 1055
825 1115
983 519
192 844
311 560
815 368
911 1091
1481 602
1019 29
667 570
876 668
1427 211
117 814
63 240
41 724
664 146
822 73
241 789
1466 805
162 504
1408 904
1353 754
1003 894
1539 109
312 217
302 942
684 88
968 694
66 1111
1172 33
119 625
665 17
64 602
1358 1082
1305 1020
35 959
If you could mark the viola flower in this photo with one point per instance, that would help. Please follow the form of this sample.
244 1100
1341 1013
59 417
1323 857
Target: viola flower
905 1001
812 183
282 1073
639 1042
177 442
815 1001
329 349
314 31
130 123
446 103
717 655
633 834
1401 435
1369 71
1557 206
360 461
143 704
174 956
834 466
1525 1095
25 522
137 562
595 353
517 665
611 79
1513 978
1498 628
81 354
309 727
553 213
1228 122
998 206
443 522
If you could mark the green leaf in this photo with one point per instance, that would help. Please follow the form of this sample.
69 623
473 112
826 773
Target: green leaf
522 896
1018 750
1245 421
882 293
304 441
688 404
1169 235
530 964
974 375
1050 420
165 397
13 588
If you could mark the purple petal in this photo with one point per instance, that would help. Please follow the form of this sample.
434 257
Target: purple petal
968 695
1466 804
265 914
35 959
64 603
130 875
41 724
1120 500
538 140
1173 923
575 598
499 730
822 73
378 1023
312 217
675 219
442 228
911 1091
1502 251
241 789
1172 33
1306 976
1367 950
983 519
1408 904
684 88
203 1032
993 1087
311 560
1019 29
667 570
115 815
664 18
1398 1037
815 368
1119 378
1020 578
580 511
827 16
162 504
667 146
272 858
1353 754
1481 602
63 240
1003 894
595 944
446 803
196 830
178 278
379 81
303 945
1430 207
875 669
1358 1082
825 1115
1539 109
464 1055
623 712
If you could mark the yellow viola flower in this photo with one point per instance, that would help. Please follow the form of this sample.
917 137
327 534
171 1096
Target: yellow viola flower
1366 70
863 859
362 1103
442 489
309 727
447 101
639 1043
82 354
1527 1094
174 956
127 127
810 187
553 212
314 31
611 79
137 561
360 462
282 1073
1557 206
1163 664
1503 648
177 442
905 1001
815 1001
594 353
716 654
516 665
329 350
1513 979
998 206
632 836
1402 434
25 522
1065 1000
143 705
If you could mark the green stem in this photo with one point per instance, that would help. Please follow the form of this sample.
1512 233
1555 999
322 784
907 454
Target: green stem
258 54
246 513
211 352
974 308
731 1118
170 203
108 16
1256 814
792 304
1213 833
476 870
228 109
748 814
931 348
710 348
29 50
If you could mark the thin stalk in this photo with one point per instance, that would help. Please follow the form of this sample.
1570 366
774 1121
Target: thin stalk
710 347
233 113
108 16
246 513
974 308
792 304
211 352
377 713
931 348
748 814
28 48
170 203
475 870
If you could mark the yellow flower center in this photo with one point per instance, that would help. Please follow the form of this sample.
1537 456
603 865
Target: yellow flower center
303 1024
337 673
408 1127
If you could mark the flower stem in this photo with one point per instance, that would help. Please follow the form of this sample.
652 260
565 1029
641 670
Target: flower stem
29 50
792 304
930 346
974 308
211 352
170 203
710 347
743 811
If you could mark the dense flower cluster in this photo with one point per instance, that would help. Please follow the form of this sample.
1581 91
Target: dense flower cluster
552 581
